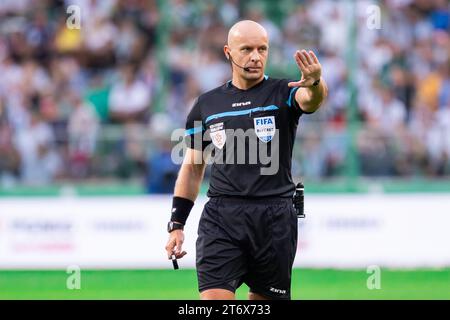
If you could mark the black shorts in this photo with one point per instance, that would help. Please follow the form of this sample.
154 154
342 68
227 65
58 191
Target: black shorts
247 241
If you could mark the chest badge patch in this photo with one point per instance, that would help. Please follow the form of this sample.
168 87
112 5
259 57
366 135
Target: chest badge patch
265 128
218 135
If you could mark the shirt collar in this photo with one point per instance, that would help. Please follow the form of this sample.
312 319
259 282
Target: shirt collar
230 84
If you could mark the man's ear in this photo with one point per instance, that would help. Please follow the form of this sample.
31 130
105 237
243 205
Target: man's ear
226 50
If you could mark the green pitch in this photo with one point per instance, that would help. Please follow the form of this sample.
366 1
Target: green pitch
182 284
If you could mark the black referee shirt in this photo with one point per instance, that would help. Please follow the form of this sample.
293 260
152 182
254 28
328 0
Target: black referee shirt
235 121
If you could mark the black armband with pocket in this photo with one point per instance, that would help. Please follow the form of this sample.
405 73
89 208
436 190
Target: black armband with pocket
181 208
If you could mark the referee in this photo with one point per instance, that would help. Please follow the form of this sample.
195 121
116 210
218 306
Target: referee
248 229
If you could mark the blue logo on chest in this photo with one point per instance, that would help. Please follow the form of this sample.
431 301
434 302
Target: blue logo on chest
265 128
263 121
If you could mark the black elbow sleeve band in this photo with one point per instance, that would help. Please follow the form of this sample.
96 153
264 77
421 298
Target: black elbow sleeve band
181 208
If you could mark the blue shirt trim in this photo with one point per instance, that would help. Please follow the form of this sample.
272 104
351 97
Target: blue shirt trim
195 130
240 112
289 100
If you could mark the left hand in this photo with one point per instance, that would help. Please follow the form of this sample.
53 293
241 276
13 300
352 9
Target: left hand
309 66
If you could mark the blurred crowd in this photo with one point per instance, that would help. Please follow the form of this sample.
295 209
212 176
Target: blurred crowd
101 101
61 86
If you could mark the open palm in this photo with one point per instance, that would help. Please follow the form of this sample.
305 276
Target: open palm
309 66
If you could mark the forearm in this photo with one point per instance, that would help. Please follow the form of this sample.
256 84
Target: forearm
189 181
311 98
187 185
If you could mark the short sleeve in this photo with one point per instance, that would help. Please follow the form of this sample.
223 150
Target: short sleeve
289 93
195 129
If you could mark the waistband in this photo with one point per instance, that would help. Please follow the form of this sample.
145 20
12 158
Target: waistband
258 200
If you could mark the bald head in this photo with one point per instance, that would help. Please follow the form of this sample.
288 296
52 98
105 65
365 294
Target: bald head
244 29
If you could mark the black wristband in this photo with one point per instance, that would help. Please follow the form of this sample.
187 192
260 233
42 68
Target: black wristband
181 207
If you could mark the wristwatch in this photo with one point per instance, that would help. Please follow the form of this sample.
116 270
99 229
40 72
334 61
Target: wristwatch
316 83
174 226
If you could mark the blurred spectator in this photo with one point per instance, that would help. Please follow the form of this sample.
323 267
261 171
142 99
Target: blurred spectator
99 36
82 130
36 144
98 95
214 70
384 111
130 98
127 40
67 40
162 172
10 158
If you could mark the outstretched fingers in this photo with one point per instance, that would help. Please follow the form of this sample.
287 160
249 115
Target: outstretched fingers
307 58
299 61
313 56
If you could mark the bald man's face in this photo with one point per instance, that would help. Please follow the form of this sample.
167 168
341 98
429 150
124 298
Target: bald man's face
248 46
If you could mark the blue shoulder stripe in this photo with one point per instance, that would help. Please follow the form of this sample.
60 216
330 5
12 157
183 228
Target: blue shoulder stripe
289 100
192 131
240 112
